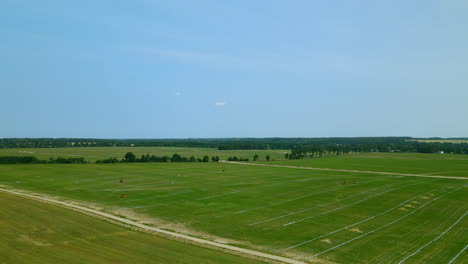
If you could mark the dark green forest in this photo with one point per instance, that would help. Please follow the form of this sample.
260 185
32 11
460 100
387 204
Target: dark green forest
300 146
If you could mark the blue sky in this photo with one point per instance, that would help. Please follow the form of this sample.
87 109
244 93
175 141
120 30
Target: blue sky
180 69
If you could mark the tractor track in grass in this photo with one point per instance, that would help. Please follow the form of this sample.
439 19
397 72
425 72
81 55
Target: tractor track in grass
344 170
359 222
459 253
435 239
177 236
383 226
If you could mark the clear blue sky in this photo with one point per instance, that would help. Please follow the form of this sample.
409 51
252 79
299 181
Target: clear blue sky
179 69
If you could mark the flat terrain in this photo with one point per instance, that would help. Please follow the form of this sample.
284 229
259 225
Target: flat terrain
325 216
95 153
417 163
34 232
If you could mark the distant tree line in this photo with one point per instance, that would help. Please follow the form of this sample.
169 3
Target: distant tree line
219 143
66 160
32 159
255 158
130 157
328 146
237 159
15 160
317 150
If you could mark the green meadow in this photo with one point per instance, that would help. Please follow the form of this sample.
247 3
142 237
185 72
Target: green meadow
309 215
35 232
413 163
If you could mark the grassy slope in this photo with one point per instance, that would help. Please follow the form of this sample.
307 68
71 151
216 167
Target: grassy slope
94 153
437 164
34 232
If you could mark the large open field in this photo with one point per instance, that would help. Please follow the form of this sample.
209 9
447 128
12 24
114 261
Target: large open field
310 215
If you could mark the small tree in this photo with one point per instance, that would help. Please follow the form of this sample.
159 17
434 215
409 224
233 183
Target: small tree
255 158
176 158
192 159
130 157
145 158
206 158
268 157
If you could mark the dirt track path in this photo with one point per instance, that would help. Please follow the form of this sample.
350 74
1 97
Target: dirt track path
343 170
190 239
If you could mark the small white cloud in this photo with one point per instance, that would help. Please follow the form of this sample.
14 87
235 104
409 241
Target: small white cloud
178 93
220 103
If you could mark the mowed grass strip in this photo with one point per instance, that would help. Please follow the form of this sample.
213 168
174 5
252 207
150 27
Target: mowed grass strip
35 232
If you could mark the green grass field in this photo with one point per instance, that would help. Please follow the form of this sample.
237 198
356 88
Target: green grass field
95 153
304 214
416 163
35 232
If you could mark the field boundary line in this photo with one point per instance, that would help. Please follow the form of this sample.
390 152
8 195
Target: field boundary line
381 227
435 239
348 205
459 253
296 198
344 170
308 209
359 222
198 241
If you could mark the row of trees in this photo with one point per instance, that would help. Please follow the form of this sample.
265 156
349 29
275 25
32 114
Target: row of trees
131 157
17 160
221 143
66 160
318 150
237 159
32 159
255 158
